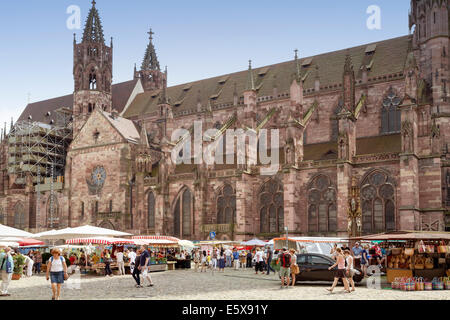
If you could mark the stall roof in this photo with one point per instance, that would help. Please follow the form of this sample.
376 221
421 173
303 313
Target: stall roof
313 239
407 235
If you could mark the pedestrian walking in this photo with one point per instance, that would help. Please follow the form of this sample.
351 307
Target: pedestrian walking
197 260
340 272
249 259
144 266
294 266
214 258
136 274
243 259
204 261
365 259
229 257
269 256
120 262
6 268
350 270
56 272
285 267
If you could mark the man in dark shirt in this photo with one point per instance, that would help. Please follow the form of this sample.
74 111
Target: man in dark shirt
136 271
269 260
144 265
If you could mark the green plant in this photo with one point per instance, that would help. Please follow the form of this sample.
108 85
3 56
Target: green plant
19 263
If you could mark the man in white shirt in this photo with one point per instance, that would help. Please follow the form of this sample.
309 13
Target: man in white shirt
132 257
120 263
259 260
228 255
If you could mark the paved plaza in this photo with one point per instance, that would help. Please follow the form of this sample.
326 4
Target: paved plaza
186 284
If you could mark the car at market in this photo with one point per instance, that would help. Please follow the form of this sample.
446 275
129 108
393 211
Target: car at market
314 267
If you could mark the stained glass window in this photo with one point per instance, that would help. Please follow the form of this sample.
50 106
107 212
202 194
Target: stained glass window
226 205
19 216
322 215
377 198
183 214
271 203
390 113
151 210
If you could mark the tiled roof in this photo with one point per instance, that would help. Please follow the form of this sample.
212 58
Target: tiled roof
120 94
125 127
389 58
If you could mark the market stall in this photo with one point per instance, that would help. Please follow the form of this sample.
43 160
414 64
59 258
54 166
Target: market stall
159 261
410 254
6 231
322 245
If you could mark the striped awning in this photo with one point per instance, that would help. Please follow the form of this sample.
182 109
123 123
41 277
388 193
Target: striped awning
100 240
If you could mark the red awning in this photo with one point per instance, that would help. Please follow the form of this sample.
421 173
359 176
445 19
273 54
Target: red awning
30 242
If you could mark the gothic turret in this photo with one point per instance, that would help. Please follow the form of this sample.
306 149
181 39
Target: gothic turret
150 74
92 70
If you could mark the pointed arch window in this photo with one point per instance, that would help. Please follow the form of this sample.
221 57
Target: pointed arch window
378 203
390 113
271 207
183 214
19 216
92 80
226 206
2 216
151 210
322 210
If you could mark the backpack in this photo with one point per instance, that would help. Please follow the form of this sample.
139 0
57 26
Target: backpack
60 258
9 265
286 260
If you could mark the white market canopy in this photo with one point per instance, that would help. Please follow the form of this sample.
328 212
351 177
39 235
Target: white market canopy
6 232
186 244
81 232
11 244
157 241
255 242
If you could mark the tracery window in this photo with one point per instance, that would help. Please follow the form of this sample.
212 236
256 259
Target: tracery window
271 204
151 210
183 214
92 80
2 216
390 113
322 210
19 216
378 203
226 205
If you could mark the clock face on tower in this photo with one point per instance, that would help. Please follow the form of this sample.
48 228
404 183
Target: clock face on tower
98 176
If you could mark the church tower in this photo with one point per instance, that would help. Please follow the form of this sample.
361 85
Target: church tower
150 74
92 71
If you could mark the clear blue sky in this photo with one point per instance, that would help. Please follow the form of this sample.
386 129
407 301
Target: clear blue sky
196 39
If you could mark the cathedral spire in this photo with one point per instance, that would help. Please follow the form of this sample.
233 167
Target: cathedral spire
250 79
150 61
297 65
93 30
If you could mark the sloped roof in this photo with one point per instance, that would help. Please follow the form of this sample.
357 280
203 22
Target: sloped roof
388 58
124 126
121 92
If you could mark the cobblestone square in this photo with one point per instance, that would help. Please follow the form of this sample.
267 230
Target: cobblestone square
189 285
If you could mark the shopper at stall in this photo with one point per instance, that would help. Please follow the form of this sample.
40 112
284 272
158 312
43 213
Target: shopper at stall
365 260
222 260
249 259
144 266
229 257
235 259
56 272
294 266
350 270
204 261
29 265
6 268
37 262
259 261
132 259
120 262
107 261
197 260
340 272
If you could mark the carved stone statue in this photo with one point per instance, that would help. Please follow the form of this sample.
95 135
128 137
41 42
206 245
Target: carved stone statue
407 135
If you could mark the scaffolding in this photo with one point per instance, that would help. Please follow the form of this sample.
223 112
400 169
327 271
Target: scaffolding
38 150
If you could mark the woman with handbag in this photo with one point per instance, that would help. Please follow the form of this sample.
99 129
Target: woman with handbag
294 266
57 268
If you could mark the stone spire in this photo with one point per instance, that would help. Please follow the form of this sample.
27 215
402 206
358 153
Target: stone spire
250 80
150 61
297 65
348 67
93 30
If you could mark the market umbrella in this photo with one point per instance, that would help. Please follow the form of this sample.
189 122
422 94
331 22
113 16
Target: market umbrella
186 244
83 232
254 242
24 242
4 244
100 240
6 231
